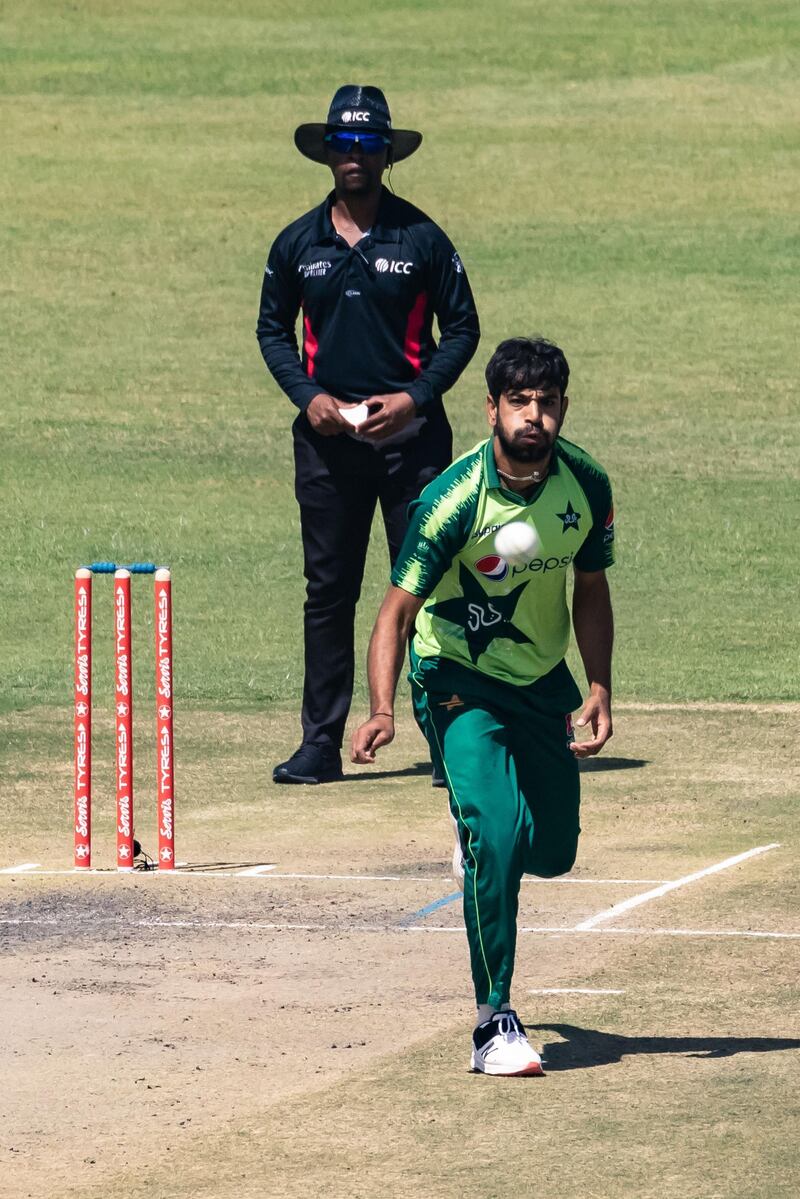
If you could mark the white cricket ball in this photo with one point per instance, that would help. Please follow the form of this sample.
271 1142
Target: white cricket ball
356 416
517 542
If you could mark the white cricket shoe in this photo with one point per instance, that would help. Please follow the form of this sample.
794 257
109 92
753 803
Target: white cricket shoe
499 1046
458 854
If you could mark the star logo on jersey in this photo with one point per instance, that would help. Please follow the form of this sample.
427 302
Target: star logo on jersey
482 617
569 518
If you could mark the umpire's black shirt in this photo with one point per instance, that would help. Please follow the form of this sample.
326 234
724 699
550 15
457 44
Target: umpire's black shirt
367 310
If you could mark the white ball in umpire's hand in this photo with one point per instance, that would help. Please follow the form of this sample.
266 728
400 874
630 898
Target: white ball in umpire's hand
356 416
517 542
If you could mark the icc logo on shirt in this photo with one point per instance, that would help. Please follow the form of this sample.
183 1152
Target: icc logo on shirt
394 268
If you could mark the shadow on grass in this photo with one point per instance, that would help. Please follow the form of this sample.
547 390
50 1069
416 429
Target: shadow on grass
415 771
586 1047
589 765
188 867
586 765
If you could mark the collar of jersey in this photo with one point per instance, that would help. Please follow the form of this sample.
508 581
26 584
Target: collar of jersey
383 230
492 478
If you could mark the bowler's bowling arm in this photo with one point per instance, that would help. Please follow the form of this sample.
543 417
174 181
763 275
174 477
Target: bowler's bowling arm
387 651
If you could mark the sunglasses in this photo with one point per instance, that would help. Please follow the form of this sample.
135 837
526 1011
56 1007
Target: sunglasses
344 140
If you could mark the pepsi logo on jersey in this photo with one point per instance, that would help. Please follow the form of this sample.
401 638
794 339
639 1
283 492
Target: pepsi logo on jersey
493 567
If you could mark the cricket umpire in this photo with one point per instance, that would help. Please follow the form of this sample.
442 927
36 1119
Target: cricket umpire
369 272
492 689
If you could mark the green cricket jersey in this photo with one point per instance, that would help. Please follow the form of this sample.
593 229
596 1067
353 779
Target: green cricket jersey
508 622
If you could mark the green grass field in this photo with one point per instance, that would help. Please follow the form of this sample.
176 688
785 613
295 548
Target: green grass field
622 177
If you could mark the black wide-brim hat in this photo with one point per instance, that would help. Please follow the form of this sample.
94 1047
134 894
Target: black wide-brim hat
356 108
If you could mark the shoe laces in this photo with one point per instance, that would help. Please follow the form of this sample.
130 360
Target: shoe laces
509 1027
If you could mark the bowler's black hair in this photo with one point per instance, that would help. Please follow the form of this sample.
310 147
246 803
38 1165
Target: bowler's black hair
526 364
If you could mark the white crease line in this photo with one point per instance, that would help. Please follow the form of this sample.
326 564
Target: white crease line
598 882
417 878
364 878
429 878
696 932
789 708
257 872
636 900
70 923
261 871
573 991
23 868
201 924
555 931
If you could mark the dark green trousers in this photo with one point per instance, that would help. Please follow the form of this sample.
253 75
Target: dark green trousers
514 792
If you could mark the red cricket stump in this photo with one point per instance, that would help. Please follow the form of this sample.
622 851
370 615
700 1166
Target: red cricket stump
123 713
83 719
123 717
165 762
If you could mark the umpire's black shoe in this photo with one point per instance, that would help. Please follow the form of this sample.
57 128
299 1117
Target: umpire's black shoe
310 764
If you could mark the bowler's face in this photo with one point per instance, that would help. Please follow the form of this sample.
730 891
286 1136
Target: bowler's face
528 421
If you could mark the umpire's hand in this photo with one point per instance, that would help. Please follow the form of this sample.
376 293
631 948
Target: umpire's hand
324 416
388 414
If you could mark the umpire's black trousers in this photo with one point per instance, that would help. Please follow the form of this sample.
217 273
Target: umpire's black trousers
338 482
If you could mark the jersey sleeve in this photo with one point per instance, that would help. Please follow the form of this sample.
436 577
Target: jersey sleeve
439 526
457 317
597 551
281 298
423 559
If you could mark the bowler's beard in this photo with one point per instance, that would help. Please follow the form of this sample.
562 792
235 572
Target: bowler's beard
517 451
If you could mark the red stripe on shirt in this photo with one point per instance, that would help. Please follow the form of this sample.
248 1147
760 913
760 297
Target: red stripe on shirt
310 345
412 347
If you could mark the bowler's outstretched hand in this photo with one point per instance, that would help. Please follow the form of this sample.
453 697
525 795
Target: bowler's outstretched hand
597 713
370 736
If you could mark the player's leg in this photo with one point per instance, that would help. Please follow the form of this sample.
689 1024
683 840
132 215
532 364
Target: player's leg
489 814
484 799
550 783
336 490
419 706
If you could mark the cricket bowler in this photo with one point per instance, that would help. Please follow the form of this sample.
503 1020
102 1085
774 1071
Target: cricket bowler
492 691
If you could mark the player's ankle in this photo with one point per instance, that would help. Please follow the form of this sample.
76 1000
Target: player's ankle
487 1010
